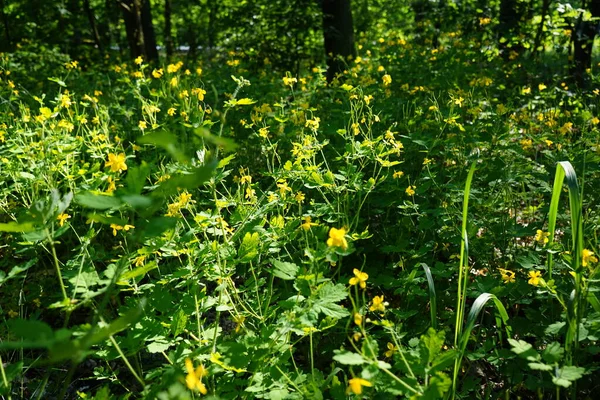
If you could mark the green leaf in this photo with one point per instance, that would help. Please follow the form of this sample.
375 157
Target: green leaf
17 227
136 272
16 270
567 375
249 248
540 366
348 358
284 270
97 201
524 349
168 142
553 353
188 181
439 384
328 296
179 322
136 178
555 328
431 344
136 200
226 144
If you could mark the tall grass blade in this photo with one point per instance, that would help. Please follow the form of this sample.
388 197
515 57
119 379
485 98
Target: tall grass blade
432 296
565 171
478 306
464 258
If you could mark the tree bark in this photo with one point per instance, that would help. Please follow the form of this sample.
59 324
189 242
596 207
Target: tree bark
148 32
92 20
539 36
338 33
133 27
7 42
583 41
508 27
168 30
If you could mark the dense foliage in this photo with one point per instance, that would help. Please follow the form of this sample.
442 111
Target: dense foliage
224 222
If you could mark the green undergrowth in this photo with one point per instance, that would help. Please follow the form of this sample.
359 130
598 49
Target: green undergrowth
216 228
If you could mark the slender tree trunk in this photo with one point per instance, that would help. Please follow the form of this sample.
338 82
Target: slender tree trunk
7 41
168 30
539 36
338 32
583 42
212 21
508 27
148 31
133 27
74 8
92 20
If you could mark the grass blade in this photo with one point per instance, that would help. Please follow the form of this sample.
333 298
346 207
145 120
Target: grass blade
432 296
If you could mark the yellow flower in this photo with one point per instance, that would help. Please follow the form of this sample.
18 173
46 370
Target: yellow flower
65 100
507 276
157 73
359 278
526 90
193 379
542 237
355 385
358 319
171 111
377 304
588 257
410 190
337 238
534 278
299 197
116 162
541 87
62 218
250 194
387 80
116 228
200 93
307 223
139 60
398 174
391 350
289 81
142 124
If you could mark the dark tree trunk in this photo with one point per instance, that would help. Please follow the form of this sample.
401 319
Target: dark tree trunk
74 12
6 43
168 33
133 27
338 32
583 41
148 31
539 36
212 22
92 20
508 28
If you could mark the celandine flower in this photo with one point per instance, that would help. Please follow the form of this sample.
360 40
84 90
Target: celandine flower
193 379
378 304
588 257
359 278
534 278
116 162
337 238
355 385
